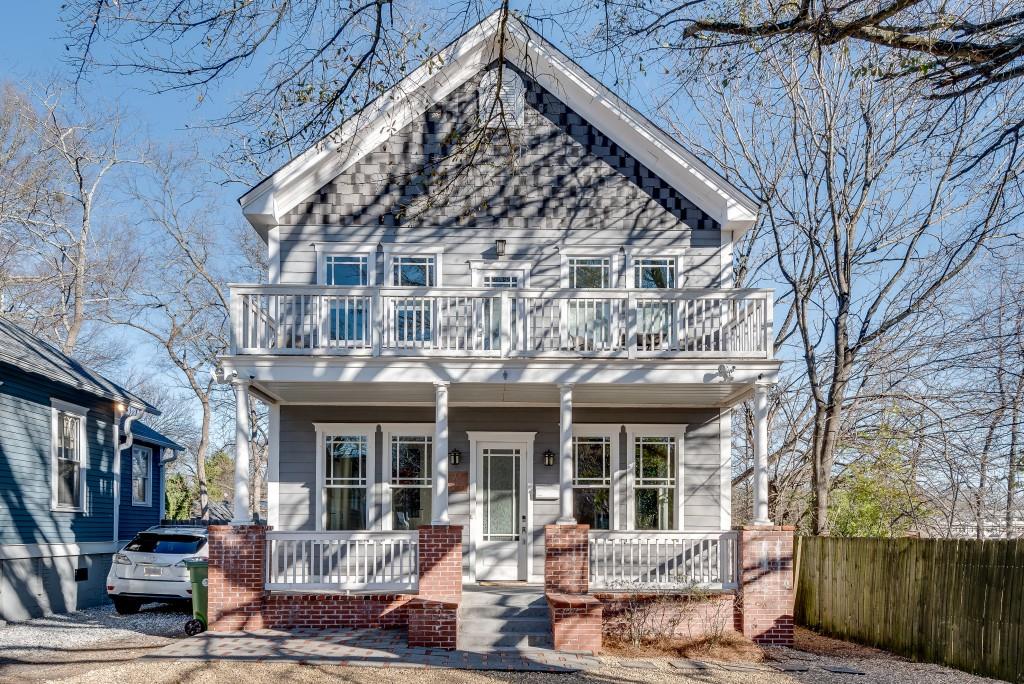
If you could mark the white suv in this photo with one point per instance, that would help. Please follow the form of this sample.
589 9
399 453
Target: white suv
151 567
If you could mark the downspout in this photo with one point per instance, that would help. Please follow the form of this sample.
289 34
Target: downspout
130 415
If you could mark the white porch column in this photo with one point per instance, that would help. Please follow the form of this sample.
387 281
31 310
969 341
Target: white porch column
761 455
243 431
565 512
439 505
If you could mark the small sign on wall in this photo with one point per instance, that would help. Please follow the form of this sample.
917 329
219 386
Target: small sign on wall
545 492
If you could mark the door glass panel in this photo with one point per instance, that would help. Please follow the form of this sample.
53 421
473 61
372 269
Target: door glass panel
501 494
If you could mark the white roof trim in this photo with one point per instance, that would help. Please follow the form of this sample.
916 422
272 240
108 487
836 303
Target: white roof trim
270 200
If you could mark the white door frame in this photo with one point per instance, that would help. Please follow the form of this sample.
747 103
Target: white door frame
524 439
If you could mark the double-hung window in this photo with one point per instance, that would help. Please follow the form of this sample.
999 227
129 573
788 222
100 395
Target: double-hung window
142 473
348 317
414 271
655 320
592 467
410 479
655 477
588 317
69 453
345 469
413 316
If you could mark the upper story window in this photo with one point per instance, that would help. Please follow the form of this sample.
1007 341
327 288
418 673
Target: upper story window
345 471
414 271
142 476
69 454
654 272
345 269
590 272
504 105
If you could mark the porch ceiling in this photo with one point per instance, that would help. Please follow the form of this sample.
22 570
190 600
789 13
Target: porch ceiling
511 394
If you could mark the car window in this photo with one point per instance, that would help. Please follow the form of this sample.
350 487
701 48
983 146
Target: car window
166 543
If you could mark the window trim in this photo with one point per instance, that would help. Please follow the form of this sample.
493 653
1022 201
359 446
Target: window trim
656 430
635 254
396 251
611 432
361 249
57 407
323 430
390 430
149 476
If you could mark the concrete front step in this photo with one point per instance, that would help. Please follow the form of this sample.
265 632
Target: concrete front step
504 618
504 642
490 611
515 625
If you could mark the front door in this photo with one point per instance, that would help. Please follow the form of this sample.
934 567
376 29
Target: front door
501 552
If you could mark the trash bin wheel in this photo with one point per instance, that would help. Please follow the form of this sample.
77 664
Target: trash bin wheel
193 627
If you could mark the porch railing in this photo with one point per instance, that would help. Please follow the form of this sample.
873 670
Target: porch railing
344 561
305 319
662 560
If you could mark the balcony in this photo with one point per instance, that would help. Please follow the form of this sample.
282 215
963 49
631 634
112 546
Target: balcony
501 323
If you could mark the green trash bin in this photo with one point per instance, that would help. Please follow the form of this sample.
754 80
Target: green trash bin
197 569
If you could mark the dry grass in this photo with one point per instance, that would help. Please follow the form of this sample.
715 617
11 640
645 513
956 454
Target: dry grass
819 644
730 647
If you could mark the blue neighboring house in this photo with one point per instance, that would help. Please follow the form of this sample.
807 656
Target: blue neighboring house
67 502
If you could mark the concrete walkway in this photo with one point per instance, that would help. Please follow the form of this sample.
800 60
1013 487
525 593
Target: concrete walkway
363 647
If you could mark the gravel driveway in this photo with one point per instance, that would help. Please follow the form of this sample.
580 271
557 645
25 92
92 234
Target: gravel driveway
61 645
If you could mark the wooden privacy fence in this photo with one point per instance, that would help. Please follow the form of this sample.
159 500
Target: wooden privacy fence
955 602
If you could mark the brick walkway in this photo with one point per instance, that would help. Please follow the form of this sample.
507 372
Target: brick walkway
363 647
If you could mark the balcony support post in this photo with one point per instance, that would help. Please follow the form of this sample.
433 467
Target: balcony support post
565 509
761 455
440 465
243 433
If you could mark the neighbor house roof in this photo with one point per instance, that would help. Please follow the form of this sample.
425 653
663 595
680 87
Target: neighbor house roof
265 204
144 433
22 349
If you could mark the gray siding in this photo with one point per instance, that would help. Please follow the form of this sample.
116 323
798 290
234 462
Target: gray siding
572 186
25 436
702 455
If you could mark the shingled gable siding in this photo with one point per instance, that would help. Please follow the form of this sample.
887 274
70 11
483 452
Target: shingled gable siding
573 185
25 437
702 475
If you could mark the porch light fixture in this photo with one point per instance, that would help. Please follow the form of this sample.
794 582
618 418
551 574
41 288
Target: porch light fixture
455 457
549 458
499 247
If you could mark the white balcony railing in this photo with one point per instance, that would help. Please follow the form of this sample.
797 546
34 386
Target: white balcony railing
343 561
662 560
379 321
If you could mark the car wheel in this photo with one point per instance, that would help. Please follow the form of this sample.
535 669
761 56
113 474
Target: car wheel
126 606
194 626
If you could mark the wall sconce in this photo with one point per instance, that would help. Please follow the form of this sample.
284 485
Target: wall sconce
549 458
499 247
455 457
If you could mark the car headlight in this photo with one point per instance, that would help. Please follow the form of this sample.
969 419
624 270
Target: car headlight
183 561
121 559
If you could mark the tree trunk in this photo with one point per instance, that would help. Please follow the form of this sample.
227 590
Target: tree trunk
204 442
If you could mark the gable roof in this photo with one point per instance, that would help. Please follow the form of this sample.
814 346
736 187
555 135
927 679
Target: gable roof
22 349
266 203
144 433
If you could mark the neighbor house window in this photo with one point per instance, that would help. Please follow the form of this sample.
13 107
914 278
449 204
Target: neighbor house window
344 458
592 481
142 483
69 453
410 481
655 482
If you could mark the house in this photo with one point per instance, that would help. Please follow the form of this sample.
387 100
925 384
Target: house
66 500
548 355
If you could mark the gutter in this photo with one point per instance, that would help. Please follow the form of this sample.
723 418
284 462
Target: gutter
130 415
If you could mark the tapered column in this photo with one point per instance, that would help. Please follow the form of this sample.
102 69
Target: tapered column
565 512
761 455
440 465
243 431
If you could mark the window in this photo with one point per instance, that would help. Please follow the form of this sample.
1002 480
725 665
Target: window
414 271
68 456
142 463
176 544
345 469
658 273
655 488
410 481
343 269
589 272
501 281
592 480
